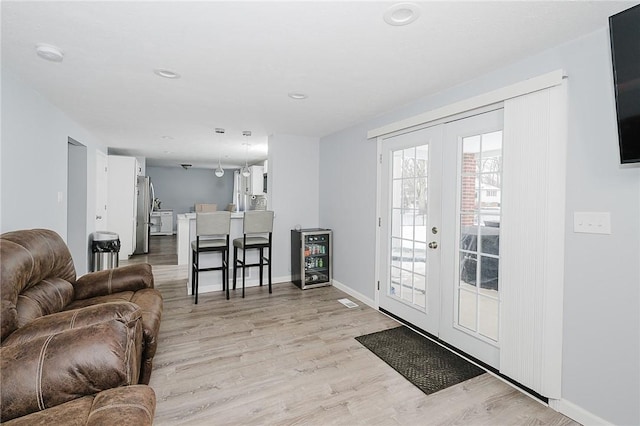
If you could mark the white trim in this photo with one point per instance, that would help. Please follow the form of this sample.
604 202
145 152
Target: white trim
534 84
351 292
283 279
376 278
577 413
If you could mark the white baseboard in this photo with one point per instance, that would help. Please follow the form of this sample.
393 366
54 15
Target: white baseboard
282 279
351 292
577 413
253 282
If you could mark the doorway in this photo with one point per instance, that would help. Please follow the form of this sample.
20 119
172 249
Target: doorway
439 231
77 240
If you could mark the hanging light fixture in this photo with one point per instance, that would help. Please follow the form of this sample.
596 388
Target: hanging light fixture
245 170
219 171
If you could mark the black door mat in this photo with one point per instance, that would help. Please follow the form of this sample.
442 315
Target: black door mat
427 365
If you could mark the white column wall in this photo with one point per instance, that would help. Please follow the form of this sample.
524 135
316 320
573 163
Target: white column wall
294 174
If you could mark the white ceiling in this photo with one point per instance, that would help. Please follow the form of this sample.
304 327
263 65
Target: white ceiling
238 60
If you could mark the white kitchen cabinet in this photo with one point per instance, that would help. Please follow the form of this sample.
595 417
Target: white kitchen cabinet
254 184
121 201
162 222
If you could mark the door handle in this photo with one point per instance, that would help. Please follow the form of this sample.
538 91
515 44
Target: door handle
98 217
433 245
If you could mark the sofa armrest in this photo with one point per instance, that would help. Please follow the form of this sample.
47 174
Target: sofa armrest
51 370
125 312
110 281
129 405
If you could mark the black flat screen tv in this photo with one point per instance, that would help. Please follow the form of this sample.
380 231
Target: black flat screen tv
624 30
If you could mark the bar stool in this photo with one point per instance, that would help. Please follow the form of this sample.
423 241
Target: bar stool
256 225
214 229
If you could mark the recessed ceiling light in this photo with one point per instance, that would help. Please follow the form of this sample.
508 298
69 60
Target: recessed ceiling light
402 14
49 52
166 73
297 96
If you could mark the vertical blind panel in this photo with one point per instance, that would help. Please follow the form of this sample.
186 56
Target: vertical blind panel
532 238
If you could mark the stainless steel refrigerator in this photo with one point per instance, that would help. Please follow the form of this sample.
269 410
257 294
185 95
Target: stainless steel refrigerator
145 196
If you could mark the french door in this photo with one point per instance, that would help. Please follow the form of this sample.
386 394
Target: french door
440 228
411 192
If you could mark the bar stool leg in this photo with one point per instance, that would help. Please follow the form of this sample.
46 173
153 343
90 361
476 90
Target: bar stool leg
225 271
193 273
235 265
260 261
197 274
269 265
244 263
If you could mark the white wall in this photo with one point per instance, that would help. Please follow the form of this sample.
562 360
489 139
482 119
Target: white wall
348 206
180 189
34 162
293 194
601 347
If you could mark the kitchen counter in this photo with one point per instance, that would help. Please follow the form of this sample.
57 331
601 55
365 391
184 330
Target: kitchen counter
210 280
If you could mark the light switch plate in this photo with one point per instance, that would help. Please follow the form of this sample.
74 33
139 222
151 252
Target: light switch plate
592 222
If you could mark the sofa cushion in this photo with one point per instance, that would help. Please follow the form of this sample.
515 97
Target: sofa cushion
46 297
51 370
126 312
74 413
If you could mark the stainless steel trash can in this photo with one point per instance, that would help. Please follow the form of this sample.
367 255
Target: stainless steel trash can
105 247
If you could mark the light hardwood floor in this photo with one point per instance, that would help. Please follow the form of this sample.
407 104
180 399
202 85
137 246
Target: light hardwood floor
290 358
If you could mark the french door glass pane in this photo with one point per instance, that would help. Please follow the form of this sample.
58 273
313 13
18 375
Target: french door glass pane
396 223
396 252
468 309
488 325
479 229
397 165
397 194
408 224
395 281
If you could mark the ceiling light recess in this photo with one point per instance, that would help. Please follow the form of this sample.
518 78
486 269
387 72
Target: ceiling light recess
49 52
402 14
166 73
297 96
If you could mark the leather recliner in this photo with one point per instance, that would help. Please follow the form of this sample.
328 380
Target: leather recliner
79 349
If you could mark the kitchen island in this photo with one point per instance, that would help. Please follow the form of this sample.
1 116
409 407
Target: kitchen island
212 280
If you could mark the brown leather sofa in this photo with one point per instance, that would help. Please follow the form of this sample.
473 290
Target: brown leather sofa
74 351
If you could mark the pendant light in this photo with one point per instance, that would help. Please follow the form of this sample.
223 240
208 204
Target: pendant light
245 170
219 171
